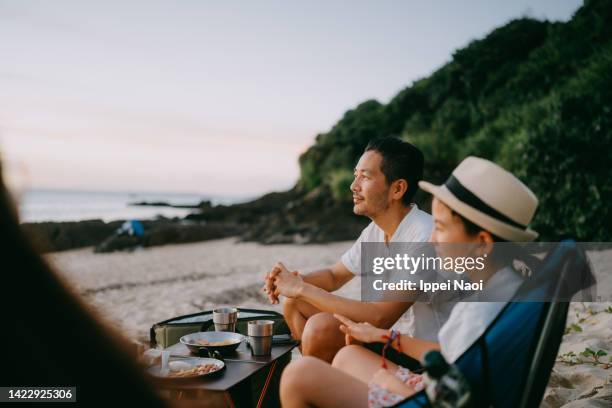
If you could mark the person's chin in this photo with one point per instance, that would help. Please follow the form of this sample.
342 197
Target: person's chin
359 209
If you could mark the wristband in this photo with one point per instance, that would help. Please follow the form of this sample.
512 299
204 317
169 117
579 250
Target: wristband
391 337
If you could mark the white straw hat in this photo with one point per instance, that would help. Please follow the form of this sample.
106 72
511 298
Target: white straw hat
490 197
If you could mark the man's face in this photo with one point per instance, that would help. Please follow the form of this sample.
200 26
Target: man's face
370 189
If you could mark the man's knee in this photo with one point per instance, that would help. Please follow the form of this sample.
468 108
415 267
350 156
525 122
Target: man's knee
321 332
321 326
293 316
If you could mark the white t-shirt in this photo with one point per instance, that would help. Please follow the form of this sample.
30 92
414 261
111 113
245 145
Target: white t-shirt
422 320
469 320
415 227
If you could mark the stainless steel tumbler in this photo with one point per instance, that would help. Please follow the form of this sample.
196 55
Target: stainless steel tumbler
260 336
225 319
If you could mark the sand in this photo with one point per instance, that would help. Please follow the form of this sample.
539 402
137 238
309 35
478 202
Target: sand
135 290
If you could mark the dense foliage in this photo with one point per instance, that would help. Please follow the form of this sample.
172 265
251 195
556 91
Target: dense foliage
533 96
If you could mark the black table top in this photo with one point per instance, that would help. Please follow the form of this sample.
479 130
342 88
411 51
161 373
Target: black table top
234 372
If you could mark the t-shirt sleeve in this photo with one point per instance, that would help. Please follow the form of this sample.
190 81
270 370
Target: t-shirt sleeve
351 259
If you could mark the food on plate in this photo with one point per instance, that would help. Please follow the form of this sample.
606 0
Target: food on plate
215 343
179 365
193 371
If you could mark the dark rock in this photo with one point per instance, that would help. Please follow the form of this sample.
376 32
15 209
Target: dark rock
275 218
60 236
165 204
176 233
245 213
205 205
309 218
151 204
169 232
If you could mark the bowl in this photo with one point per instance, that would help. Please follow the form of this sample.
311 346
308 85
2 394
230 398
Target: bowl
196 342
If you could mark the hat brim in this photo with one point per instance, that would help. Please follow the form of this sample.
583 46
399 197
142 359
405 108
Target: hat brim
493 225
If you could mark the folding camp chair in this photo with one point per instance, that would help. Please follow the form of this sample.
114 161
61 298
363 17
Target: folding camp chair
509 365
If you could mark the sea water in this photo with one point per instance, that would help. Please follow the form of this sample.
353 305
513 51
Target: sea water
72 205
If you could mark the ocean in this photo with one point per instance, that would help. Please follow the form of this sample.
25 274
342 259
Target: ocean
71 205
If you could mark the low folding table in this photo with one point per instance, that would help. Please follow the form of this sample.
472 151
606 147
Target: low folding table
246 381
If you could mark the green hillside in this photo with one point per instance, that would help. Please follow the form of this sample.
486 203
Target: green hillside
534 96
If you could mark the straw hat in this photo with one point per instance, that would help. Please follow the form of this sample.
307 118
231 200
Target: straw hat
490 197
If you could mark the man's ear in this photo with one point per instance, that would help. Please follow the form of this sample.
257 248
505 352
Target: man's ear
399 187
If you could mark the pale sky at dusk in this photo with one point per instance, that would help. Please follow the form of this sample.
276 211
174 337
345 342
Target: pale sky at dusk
209 97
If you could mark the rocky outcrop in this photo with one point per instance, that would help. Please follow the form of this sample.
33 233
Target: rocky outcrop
290 217
60 236
276 218
312 218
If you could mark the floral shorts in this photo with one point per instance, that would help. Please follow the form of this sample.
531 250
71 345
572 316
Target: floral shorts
379 397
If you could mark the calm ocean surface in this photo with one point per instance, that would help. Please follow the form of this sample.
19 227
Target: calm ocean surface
65 205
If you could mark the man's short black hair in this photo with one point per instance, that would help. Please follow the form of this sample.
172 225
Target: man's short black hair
400 160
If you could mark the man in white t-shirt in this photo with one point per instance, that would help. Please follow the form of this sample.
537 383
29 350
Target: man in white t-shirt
386 178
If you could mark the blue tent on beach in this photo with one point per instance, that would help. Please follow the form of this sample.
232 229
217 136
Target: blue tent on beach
131 227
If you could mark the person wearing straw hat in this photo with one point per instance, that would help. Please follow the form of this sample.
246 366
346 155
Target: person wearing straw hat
490 197
480 203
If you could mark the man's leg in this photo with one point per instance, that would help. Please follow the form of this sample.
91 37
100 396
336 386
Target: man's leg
296 312
319 332
322 337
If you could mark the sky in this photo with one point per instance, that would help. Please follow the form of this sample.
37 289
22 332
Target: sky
218 98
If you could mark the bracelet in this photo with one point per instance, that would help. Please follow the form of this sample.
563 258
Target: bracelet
391 337
399 345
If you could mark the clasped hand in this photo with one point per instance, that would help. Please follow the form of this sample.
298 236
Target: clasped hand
280 281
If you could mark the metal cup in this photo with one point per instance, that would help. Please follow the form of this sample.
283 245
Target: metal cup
260 336
225 319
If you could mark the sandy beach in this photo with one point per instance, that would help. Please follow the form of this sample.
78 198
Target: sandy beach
137 289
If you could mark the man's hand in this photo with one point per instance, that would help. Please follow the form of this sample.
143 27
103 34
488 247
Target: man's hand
363 332
269 286
287 283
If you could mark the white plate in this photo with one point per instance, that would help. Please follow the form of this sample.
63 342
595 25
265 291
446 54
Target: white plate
155 370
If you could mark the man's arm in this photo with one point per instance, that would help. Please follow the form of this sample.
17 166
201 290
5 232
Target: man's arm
329 279
379 314
314 289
